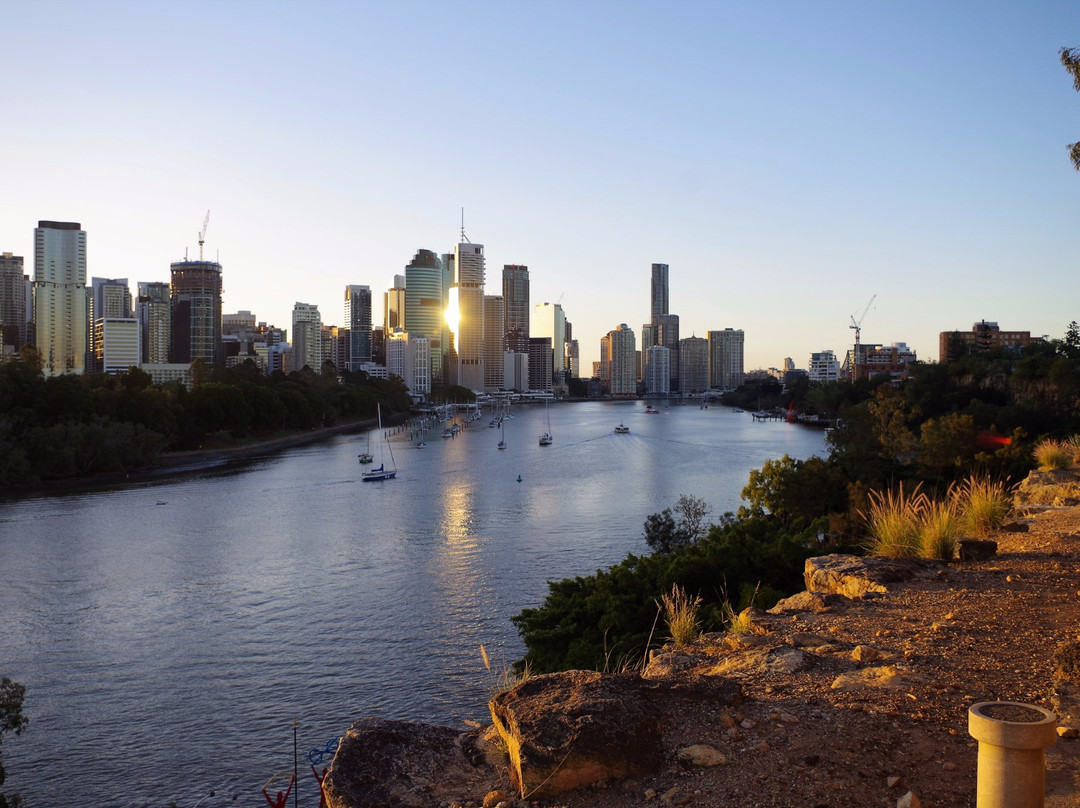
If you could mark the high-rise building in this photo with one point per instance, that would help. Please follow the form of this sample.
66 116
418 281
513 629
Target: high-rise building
540 364
394 306
549 321
824 367
602 368
107 297
667 335
307 338
725 359
116 344
466 313
659 291
409 357
195 312
60 296
622 358
982 337
425 307
694 365
515 281
152 310
14 324
358 321
494 317
657 373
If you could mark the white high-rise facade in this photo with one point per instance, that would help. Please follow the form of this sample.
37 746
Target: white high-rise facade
657 370
824 367
409 357
622 361
60 297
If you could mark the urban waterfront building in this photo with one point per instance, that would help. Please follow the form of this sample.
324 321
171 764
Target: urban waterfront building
394 306
60 297
409 357
659 293
549 320
494 318
515 282
195 312
873 360
152 310
693 364
307 338
466 313
667 335
358 321
540 373
14 322
116 344
725 359
621 361
516 370
425 307
657 372
982 337
111 298
824 367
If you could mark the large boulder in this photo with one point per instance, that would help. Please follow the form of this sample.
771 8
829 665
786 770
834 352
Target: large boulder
857 576
381 763
577 728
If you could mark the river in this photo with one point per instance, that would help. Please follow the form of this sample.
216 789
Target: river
169 632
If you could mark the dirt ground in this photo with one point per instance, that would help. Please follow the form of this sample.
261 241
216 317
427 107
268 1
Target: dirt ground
963 634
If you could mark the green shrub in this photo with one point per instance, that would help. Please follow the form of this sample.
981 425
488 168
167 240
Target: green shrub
893 520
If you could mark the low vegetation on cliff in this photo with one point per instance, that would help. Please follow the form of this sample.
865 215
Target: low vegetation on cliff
953 436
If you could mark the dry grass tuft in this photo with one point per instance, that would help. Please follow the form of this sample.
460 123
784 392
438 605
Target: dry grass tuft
893 520
1054 455
939 529
681 615
504 677
983 504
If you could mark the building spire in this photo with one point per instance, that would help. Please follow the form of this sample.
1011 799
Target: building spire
464 238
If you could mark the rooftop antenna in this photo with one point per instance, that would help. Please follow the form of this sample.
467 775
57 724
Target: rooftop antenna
464 238
202 233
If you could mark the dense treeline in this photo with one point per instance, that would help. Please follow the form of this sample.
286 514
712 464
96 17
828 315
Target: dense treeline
66 426
980 414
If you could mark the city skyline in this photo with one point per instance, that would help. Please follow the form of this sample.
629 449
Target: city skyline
786 162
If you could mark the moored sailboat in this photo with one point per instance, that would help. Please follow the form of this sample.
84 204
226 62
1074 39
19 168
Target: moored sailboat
382 472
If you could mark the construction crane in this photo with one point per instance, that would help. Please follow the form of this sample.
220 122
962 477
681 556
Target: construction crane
202 234
857 324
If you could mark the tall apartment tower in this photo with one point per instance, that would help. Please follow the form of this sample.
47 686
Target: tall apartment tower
14 324
195 312
549 320
694 365
358 321
725 359
60 296
394 307
425 307
152 312
656 373
494 317
659 296
622 361
307 337
466 313
667 335
515 280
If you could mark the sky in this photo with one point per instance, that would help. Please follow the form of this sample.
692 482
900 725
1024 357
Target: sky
789 161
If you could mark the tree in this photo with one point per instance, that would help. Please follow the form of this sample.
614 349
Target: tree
1070 59
11 720
664 533
661 533
692 512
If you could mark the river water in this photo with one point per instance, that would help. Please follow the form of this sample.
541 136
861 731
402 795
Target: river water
168 633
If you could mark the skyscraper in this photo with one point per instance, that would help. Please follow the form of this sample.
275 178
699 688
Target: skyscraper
515 281
60 296
550 321
622 360
657 376
725 359
394 306
693 365
659 297
13 320
466 313
108 298
667 335
358 321
195 302
307 337
494 317
425 307
152 312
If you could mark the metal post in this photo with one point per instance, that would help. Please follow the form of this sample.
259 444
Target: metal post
295 769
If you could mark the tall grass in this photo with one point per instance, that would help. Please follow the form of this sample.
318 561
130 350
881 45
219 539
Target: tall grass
1054 455
681 615
503 677
983 504
893 519
939 529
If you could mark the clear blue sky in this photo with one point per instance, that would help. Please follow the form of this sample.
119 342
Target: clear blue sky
788 160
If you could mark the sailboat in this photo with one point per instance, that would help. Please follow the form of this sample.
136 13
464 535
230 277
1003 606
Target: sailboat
366 456
502 430
546 439
382 472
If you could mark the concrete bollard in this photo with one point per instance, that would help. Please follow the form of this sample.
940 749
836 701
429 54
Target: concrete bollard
1012 760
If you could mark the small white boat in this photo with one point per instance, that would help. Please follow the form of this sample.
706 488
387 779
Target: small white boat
382 472
622 430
